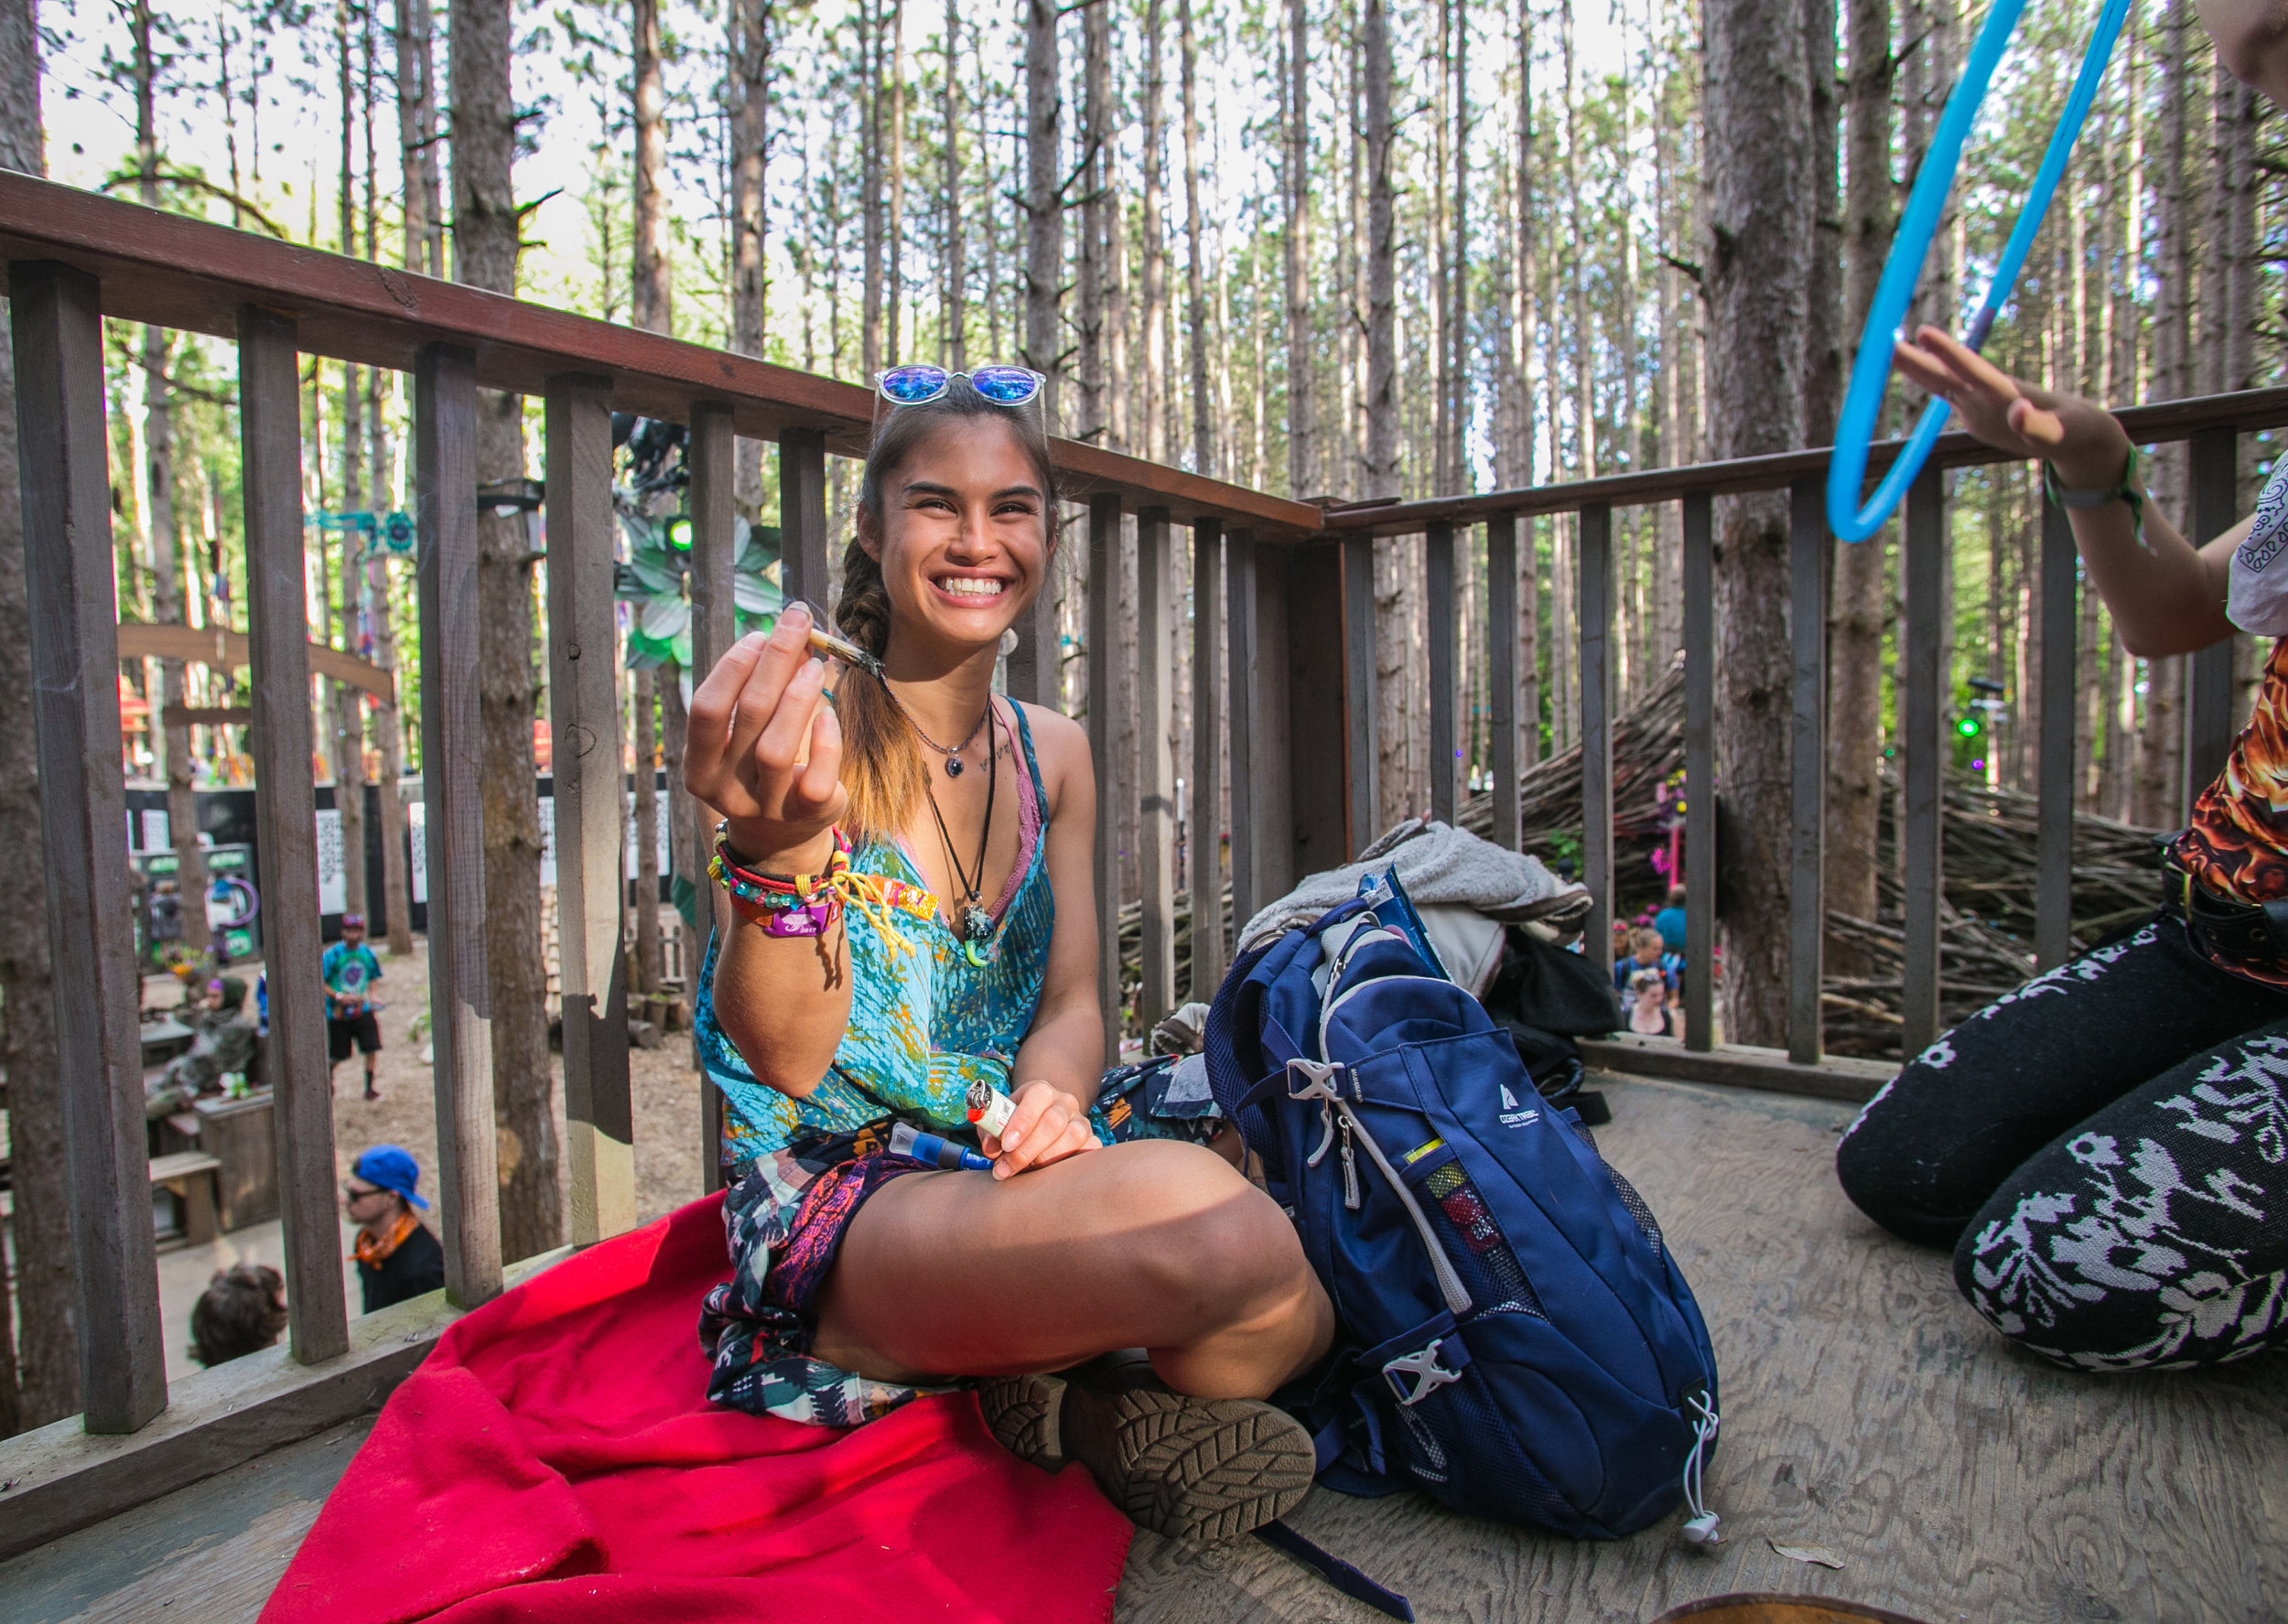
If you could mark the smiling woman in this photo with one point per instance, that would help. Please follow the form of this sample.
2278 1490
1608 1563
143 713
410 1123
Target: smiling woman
910 919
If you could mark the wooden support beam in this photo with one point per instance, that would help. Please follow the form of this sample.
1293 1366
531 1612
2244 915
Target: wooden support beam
1808 550
1362 799
1206 800
1924 746
2208 672
1155 791
1322 712
67 566
1501 663
802 563
1107 701
452 746
714 629
285 825
590 802
1701 855
1439 601
1034 668
1594 599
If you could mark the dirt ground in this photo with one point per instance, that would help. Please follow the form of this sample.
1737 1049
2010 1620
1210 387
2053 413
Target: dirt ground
666 1089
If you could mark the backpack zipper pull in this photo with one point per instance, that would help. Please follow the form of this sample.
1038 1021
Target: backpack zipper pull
1350 1167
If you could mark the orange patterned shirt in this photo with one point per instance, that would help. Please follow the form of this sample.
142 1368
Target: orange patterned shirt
2238 843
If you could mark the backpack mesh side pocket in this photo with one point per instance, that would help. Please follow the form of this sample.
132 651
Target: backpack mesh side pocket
1479 1250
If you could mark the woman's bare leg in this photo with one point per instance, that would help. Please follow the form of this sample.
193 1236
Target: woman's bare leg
1152 1244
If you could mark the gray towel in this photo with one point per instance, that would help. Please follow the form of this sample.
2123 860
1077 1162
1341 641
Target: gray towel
1437 863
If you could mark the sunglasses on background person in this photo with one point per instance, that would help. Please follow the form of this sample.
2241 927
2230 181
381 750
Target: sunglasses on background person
915 385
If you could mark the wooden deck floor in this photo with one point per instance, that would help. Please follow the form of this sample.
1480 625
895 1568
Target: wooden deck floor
1867 1410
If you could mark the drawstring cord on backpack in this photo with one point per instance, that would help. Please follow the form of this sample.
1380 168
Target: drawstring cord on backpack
1700 1529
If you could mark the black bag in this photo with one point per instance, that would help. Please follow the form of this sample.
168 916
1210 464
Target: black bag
1544 987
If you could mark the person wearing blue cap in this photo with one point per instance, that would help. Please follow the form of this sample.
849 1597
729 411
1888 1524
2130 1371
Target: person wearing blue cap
397 1256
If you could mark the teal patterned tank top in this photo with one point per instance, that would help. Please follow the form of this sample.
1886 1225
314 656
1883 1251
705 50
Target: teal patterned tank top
924 1021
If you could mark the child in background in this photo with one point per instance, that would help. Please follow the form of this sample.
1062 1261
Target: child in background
241 1312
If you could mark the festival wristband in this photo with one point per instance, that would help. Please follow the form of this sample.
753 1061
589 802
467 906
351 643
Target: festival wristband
2100 496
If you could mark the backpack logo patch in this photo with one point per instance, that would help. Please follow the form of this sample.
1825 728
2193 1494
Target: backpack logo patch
1511 1117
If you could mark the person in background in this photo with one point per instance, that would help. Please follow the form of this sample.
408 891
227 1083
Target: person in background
221 1043
1669 921
1646 978
241 1312
397 1256
349 971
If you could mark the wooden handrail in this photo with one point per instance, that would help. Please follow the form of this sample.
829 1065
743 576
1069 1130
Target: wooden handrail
178 272
228 650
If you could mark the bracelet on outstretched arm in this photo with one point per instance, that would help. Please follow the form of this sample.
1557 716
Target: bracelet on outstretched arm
2100 496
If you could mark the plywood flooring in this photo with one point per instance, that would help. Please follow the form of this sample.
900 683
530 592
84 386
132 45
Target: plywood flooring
1867 1410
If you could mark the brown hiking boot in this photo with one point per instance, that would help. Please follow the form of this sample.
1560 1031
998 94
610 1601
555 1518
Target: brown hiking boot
1204 1470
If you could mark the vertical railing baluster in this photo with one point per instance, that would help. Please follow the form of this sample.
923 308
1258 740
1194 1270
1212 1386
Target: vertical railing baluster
803 563
452 746
1155 822
1362 800
714 629
1439 601
1205 798
1310 831
1701 855
1033 668
2054 842
1923 752
1594 599
1807 549
2209 673
590 835
1243 703
1501 666
285 831
1108 700
57 327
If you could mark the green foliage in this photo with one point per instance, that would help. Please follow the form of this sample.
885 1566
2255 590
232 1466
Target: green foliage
654 580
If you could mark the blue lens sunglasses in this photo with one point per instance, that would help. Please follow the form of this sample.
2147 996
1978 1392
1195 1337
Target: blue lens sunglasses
1004 386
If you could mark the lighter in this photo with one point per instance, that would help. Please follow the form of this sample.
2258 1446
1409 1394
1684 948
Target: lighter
989 1108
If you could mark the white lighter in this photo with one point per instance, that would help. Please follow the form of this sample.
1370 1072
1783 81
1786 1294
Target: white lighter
989 1108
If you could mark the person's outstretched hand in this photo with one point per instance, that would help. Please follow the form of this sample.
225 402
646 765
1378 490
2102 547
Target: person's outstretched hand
751 722
2080 437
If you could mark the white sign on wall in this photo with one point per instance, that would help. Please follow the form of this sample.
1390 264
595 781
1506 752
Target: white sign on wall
154 830
416 826
333 887
547 840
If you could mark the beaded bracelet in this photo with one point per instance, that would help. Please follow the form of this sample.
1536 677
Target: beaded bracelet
783 905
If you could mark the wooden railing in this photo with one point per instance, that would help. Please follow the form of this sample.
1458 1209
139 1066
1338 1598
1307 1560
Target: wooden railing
1296 692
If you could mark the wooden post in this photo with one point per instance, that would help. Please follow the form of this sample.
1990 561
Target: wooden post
1807 548
803 515
1321 713
1034 667
1362 800
1156 822
714 629
1501 660
1923 748
452 743
57 316
1206 799
1594 599
2208 672
2054 850
1107 698
1439 600
590 835
285 825
1701 855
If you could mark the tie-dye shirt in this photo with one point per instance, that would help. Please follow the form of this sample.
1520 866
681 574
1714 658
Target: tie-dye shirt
924 1021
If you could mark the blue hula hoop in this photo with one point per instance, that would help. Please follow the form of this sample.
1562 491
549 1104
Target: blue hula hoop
1871 370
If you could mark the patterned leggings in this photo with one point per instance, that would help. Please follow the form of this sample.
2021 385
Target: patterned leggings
2105 1150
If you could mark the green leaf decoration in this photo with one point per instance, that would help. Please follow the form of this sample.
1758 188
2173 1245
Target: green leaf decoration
757 595
664 618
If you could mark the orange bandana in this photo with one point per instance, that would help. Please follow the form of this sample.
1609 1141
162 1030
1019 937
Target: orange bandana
373 1253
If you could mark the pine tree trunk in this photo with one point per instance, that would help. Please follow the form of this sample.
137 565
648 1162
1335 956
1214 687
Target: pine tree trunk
871 201
954 317
894 232
1043 347
1203 416
1302 472
1099 209
1528 342
1761 191
1153 230
1382 302
347 730
44 1385
485 246
749 73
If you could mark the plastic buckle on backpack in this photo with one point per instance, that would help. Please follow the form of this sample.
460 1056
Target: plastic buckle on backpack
1318 1080
1428 1374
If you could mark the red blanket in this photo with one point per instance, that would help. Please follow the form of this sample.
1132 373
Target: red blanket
554 1458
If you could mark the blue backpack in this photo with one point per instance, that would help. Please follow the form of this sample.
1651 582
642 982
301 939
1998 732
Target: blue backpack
1514 1339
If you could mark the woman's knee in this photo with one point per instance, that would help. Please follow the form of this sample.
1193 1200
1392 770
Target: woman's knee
1207 1235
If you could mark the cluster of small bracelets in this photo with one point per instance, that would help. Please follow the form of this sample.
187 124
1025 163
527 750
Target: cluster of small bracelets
783 905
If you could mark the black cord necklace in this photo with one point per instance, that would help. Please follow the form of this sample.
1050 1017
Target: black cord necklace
954 763
971 923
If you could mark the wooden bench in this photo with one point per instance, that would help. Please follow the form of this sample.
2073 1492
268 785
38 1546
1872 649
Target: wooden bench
189 1177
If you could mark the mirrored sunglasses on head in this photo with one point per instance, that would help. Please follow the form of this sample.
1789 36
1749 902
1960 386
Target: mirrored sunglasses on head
1003 385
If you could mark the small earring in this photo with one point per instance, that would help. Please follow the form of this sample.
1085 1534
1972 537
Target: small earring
1009 643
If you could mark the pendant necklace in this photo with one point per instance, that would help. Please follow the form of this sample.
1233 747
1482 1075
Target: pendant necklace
954 763
972 924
